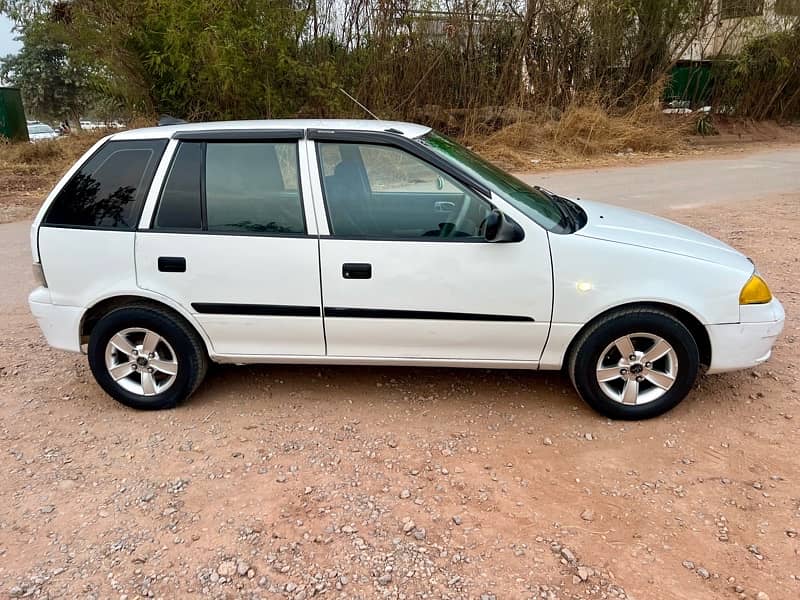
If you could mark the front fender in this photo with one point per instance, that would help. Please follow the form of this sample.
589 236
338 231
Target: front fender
592 276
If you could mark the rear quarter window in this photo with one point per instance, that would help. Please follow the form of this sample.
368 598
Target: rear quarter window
110 187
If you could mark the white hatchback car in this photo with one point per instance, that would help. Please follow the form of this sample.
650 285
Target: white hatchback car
41 131
374 243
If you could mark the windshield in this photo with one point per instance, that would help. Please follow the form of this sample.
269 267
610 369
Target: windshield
39 129
534 203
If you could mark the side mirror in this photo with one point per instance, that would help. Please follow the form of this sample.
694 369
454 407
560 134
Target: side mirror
499 228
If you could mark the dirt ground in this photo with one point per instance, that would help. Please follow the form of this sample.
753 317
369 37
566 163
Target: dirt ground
294 482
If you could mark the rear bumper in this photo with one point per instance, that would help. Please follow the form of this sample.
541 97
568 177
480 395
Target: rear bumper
60 324
737 346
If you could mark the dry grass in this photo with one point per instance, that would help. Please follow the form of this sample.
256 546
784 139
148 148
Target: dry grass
46 159
28 171
583 132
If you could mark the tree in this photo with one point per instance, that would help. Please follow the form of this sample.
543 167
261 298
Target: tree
201 59
53 86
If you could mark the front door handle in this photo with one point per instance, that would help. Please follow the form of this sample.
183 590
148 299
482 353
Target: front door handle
357 271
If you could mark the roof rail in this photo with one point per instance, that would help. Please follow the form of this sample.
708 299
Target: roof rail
169 120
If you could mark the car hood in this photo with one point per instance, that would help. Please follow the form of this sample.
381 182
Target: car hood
625 226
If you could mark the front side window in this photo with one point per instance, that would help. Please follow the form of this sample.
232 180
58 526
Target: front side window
532 202
381 191
109 188
246 187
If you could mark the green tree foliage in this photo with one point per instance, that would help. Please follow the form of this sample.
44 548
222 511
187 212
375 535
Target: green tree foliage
52 85
763 80
203 58
219 59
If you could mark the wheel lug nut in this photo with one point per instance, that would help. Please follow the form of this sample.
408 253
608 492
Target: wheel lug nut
623 371
632 357
134 367
149 369
136 353
639 378
648 365
151 355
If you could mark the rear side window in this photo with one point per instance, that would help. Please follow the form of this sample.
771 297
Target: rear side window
109 189
252 187
247 187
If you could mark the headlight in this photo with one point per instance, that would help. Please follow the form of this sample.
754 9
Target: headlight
755 291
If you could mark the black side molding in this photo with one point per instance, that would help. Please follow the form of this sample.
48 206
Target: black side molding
262 310
281 310
388 313
172 264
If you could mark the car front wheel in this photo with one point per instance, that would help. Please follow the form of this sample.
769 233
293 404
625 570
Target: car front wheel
145 357
634 364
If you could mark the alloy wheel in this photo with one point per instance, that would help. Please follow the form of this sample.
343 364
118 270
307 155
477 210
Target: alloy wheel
637 368
141 361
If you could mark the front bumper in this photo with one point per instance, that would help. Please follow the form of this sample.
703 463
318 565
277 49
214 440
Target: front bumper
736 346
60 324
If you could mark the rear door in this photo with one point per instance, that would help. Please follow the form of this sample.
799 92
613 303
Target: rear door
229 240
406 271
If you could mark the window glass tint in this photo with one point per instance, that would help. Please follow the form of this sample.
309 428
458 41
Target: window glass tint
381 191
533 202
253 187
389 169
179 207
108 190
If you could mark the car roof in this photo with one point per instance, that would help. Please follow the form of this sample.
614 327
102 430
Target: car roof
409 130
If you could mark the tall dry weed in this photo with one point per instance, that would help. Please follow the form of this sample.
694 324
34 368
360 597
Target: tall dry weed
41 164
584 130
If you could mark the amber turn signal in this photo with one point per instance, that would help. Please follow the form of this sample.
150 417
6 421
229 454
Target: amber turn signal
755 291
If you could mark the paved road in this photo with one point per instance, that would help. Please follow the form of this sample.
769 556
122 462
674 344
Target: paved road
683 183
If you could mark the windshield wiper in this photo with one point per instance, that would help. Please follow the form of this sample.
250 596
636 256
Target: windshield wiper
569 219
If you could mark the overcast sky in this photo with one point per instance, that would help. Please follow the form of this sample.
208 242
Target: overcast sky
8 45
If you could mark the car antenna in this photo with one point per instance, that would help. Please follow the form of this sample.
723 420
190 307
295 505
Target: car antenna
368 111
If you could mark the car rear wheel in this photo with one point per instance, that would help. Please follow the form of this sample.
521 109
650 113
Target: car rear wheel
634 364
145 357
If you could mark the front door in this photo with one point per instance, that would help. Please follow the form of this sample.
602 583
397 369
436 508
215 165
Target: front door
406 271
229 241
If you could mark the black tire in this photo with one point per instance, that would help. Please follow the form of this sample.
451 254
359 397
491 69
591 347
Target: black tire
587 350
188 347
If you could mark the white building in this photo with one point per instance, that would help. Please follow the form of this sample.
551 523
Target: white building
732 23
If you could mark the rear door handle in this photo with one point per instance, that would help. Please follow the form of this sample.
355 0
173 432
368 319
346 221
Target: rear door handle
172 264
357 271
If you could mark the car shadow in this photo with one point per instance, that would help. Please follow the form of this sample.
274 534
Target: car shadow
351 384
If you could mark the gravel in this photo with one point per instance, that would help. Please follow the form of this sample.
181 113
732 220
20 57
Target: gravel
311 482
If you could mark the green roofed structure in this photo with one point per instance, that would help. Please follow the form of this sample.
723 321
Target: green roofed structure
13 125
